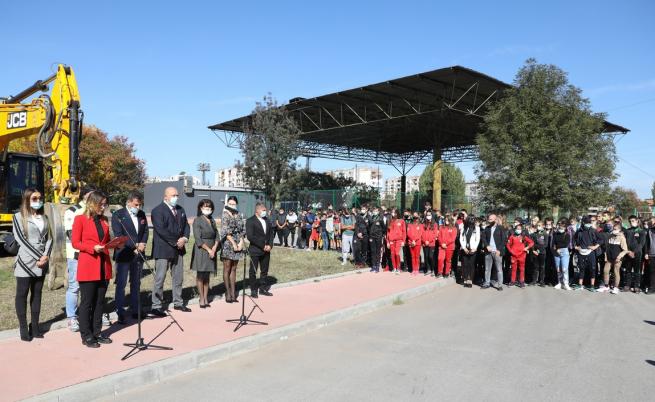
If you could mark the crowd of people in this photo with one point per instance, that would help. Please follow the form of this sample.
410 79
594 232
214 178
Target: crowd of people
598 252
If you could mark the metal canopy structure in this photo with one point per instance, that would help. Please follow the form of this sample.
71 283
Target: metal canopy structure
399 122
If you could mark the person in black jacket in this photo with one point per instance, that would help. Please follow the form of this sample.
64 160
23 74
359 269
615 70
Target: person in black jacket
636 238
361 237
376 230
259 232
541 241
131 222
170 236
649 255
586 243
494 241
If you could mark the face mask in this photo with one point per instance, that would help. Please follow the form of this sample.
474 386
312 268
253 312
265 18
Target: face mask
364 212
561 230
429 217
491 223
616 232
517 231
133 210
262 214
540 229
549 227
587 225
206 211
172 201
634 224
36 204
375 213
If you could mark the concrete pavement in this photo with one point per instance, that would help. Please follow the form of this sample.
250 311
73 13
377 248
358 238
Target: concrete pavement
452 344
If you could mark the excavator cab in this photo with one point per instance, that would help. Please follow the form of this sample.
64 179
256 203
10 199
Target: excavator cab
17 173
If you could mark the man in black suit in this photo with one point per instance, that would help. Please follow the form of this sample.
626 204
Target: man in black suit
171 233
494 242
259 232
129 221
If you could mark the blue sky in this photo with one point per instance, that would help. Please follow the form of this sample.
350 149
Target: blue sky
161 72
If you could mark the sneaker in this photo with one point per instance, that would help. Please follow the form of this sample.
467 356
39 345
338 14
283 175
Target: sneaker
567 287
592 289
73 325
602 289
432 274
614 291
105 320
343 263
558 286
578 287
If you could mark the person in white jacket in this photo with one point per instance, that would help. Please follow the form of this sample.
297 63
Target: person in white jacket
469 239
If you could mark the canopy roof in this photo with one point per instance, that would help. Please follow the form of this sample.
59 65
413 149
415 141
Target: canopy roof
398 122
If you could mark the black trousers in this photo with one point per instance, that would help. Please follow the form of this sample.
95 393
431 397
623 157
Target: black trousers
361 251
33 286
539 268
386 255
429 257
261 262
282 235
376 252
633 270
468 266
651 273
92 301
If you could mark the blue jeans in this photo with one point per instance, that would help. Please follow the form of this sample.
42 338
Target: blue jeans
562 266
326 240
73 289
123 269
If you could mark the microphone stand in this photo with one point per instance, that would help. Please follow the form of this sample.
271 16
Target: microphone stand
140 344
245 319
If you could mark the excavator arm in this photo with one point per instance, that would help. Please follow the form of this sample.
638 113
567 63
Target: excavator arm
56 121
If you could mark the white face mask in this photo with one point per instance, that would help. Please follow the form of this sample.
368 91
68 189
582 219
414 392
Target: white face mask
262 214
207 211
36 204
172 201
616 231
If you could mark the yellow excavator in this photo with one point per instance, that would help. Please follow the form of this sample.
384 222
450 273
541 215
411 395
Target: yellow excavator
54 119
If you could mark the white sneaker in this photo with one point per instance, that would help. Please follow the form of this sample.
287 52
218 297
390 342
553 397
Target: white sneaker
105 320
73 324
343 263
558 286
602 289
614 291
567 287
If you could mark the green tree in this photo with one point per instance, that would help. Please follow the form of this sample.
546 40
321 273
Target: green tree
541 146
110 164
652 191
452 181
269 148
624 200
305 180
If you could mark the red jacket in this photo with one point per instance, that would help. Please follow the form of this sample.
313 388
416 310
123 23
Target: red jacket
448 235
430 235
516 245
397 231
83 238
414 233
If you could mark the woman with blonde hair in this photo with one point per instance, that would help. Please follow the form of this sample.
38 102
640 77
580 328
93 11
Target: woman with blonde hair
90 236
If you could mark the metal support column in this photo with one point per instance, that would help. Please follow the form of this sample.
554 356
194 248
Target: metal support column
403 196
437 165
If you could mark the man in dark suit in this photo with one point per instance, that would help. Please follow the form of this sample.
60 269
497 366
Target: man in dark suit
494 241
259 232
129 221
170 235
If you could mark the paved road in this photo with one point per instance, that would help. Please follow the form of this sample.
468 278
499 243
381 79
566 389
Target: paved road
453 344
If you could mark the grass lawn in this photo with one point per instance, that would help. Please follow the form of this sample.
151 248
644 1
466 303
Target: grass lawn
286 265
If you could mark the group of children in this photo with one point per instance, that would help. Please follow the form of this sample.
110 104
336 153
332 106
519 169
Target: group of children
600 251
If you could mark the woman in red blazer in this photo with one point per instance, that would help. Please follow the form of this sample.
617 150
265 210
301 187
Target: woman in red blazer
90 234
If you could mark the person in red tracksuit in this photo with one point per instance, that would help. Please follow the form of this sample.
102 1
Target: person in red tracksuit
429 240
414 234
518 245
396 235
447 237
